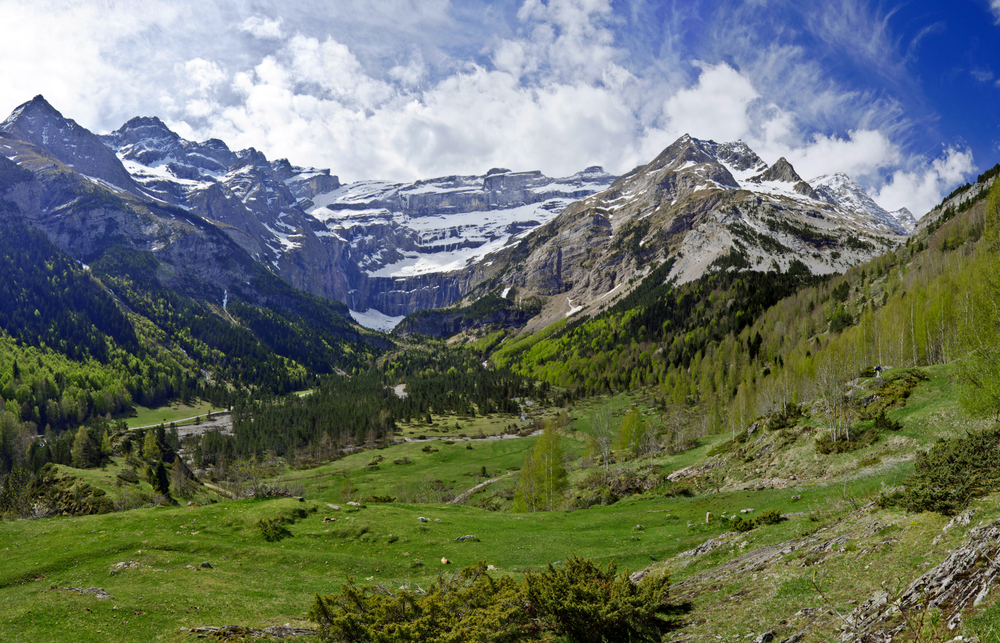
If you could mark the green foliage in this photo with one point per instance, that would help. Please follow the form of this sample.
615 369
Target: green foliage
159 479
16 494
152 450
768 517
979 371
632 433
894 392
273 529
542 479
85 453
578 601
952 473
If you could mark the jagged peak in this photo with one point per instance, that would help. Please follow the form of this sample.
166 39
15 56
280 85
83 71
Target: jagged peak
37 105
782 171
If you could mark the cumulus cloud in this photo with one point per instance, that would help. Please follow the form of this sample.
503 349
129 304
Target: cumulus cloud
405 90
861 154
202 74
995 8
263 28
717 107
921 188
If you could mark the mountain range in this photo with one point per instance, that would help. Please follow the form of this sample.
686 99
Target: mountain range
386 249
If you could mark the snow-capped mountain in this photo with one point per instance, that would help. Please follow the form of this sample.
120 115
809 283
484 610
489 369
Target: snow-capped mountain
389 249
446 224
845 193
378 246
700 205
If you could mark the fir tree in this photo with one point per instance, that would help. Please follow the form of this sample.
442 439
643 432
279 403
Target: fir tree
160 481
84 451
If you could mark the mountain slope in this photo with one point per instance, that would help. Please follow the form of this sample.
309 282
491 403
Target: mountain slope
184 286
707 206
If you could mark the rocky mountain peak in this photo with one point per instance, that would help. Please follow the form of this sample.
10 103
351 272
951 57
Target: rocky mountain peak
39 124
143 139
905 219
739 156
782 170
841 190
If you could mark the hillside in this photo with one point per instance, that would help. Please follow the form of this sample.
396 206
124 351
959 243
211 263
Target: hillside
799 577
793 453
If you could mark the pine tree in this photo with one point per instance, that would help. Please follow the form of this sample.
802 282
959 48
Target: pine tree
160 481
83 450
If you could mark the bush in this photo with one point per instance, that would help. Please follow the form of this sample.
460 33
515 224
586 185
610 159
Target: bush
951 474
860 438
579 601
742 525
273 529
129 476
769 517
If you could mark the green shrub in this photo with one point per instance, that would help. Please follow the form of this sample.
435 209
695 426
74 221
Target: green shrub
859 438
129 476
769 517
884 423
951 474
742 525
578 601
722 447
273 529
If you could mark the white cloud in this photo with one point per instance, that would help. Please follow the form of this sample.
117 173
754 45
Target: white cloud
203 74
714 108
921 188
980 74
406 90
861 155
263 28
995 7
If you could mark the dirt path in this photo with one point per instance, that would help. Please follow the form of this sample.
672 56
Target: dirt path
462 497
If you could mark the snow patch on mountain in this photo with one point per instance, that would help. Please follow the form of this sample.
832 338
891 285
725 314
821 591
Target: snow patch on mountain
376 320
844 192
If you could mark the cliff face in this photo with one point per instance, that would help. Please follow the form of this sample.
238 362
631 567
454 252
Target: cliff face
702 204
398 248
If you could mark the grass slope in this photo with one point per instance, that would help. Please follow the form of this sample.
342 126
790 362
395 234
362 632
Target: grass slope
854 551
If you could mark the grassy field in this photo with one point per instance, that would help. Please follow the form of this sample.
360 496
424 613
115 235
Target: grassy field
258 583
176 413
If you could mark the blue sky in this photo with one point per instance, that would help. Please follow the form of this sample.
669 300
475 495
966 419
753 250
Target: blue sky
903 97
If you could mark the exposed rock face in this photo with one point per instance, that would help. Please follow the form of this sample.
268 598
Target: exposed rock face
39 124
697 202
782 170
961 581
400 248
420 245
